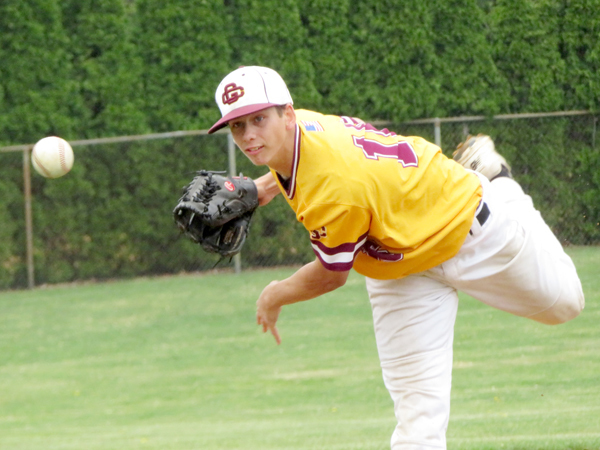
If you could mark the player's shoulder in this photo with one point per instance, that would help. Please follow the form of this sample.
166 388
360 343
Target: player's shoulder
316 121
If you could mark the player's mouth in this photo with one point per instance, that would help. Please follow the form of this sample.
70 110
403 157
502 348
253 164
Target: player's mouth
254 150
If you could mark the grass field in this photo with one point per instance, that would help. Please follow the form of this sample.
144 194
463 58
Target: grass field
178 363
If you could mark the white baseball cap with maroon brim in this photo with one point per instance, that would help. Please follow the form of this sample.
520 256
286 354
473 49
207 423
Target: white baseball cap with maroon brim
247 90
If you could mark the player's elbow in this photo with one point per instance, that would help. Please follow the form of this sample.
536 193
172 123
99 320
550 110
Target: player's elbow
327 280
334 280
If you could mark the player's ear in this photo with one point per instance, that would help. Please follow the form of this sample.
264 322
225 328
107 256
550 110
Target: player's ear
290 117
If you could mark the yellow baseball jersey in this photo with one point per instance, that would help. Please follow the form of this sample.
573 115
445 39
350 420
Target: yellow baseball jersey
383 204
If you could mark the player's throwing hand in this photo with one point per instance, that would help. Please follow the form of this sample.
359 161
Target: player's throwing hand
266 313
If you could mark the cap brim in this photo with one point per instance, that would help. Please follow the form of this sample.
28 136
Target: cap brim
239 112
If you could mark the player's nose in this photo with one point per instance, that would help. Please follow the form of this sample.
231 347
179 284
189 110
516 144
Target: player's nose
249 134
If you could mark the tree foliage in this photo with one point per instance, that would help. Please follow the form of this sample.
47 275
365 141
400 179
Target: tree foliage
184 46
579 44
37 90
469 80
106 68
525 49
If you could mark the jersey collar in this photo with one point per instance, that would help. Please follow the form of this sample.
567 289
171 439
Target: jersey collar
290 184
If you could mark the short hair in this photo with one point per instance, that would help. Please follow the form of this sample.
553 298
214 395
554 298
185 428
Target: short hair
280 109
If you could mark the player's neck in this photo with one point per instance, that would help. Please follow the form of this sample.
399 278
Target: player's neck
284 162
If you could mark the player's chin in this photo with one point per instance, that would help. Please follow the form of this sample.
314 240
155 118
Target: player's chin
257 159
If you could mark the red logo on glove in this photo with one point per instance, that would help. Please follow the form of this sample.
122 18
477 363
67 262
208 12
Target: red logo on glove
229 186
232 93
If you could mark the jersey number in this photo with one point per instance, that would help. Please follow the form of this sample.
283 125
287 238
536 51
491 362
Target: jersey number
402 151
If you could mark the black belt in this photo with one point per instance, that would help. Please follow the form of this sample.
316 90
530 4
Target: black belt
483 215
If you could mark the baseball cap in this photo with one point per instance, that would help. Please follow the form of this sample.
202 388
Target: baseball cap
247 90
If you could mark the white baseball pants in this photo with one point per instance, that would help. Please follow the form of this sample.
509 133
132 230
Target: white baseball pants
513 262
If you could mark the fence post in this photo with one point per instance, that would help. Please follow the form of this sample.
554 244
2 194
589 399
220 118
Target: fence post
437 132
28 216
465 131
237 259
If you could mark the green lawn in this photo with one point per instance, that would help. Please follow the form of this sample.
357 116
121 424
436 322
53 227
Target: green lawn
178 363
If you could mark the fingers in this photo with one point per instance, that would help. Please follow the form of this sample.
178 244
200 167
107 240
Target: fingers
275 334
267 311
266 327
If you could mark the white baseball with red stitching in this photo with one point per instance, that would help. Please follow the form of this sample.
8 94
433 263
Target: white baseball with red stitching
52 157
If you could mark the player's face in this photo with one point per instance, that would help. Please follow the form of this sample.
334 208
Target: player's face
262 136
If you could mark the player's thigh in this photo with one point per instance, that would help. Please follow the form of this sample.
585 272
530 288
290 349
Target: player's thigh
412 315
515 263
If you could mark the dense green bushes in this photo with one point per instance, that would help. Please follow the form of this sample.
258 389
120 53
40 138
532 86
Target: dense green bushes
83 69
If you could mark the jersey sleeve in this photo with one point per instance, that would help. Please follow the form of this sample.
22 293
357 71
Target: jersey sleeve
337 233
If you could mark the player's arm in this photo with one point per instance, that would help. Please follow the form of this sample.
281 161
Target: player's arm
267 188
310 281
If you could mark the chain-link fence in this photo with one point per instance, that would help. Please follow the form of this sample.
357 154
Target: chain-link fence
111 216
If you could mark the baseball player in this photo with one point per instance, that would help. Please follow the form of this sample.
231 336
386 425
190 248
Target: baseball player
419 226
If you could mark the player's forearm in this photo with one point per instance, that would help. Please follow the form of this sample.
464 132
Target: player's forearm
310 281
267 188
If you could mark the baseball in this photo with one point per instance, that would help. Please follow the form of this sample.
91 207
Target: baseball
52 157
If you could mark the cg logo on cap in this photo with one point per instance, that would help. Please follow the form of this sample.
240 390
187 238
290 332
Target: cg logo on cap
232 93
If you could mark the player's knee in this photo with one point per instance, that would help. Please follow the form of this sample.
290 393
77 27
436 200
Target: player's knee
565 309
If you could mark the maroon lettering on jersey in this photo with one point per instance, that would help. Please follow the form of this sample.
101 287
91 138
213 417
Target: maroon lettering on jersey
402 151
232 93
318 234
358 124
380 254
384 132
353 122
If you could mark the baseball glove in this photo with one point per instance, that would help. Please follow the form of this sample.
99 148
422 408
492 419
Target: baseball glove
215 211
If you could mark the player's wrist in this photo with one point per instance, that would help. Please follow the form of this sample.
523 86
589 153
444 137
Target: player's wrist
267 188
269 298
